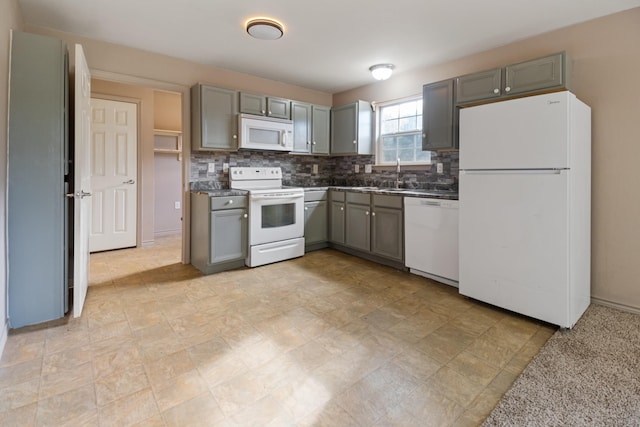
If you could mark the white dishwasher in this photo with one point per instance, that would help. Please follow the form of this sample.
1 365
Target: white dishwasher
431 238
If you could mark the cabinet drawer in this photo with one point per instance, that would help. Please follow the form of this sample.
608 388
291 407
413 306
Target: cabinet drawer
314 196
387 201
361 198
228 202
337 196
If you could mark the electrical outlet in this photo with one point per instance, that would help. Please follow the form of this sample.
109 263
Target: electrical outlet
314 169
439 168
177 205
356 168
225 167
367 168
211 168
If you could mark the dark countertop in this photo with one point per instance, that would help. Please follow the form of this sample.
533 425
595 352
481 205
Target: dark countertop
221 193
407 192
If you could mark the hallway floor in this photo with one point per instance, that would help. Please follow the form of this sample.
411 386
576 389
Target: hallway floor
323 340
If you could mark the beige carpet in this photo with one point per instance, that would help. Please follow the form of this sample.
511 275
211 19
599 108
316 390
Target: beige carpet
587 376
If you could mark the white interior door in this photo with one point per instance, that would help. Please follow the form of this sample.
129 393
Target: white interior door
113 174
82 180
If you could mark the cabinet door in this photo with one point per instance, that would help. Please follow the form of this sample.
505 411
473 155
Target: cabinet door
387 233
320 130
479 86
214 118
357 227
228 235
301 116
279 107
337 222
344 129
539 74
315 222
439 116
253 104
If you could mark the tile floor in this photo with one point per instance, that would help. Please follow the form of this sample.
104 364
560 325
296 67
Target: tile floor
324 340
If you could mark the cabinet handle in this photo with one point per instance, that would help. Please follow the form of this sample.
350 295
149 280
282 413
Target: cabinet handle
424 136
373 214
314 143
230 202
308 142
262 111
355 142
245 216
235 136
341 208
507 89
367 213
269 112
306 208
496 91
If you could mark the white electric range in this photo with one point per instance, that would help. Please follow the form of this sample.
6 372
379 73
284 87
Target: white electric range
276 214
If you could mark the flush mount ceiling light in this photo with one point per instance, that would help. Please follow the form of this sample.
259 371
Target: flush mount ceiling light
264 28
381 71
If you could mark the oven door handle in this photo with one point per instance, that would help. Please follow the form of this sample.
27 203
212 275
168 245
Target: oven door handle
275 196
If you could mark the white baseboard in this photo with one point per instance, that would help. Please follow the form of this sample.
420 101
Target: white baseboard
616 305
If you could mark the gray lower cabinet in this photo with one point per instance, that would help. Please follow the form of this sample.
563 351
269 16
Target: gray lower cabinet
337 214
439 116
219 232
262 105
358 226
541 74
214 118
387 227
316 230
351 129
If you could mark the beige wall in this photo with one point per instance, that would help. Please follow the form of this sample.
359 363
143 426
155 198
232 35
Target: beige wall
606 70
167 110
144 96
10 18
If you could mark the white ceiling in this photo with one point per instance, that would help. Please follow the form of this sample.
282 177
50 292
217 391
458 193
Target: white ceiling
328 44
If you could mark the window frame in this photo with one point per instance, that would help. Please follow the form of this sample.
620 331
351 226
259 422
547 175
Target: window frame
378 132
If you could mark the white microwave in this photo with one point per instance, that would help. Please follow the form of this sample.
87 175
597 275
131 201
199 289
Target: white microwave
265 133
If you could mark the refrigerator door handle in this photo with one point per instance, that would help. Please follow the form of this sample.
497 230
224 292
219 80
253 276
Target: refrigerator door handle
554 171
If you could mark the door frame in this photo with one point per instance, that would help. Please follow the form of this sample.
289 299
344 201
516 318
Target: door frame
186 147
138 103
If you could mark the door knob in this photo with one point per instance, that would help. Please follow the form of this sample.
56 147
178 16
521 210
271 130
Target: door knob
129 182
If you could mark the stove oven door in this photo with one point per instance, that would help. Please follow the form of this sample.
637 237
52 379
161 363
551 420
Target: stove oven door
275 216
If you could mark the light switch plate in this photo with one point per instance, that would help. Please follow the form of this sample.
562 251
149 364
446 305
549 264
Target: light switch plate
367 168
177 205
225 167
439 167
315 169
356 168
211 168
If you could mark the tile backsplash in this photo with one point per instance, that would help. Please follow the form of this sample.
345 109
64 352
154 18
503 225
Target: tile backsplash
297 170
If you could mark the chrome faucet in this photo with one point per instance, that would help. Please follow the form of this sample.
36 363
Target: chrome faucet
398 181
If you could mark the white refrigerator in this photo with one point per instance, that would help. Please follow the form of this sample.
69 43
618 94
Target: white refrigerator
525 206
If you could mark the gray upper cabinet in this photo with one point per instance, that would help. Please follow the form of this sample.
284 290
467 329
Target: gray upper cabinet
262 105
439 116
549 72
537 75
214 123
351 129
479 86
302 120
320 131
310 128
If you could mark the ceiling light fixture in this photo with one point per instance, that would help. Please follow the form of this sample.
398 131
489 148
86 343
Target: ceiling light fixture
381 71
264 28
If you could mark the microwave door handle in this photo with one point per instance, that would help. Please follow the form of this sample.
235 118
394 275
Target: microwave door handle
283 138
